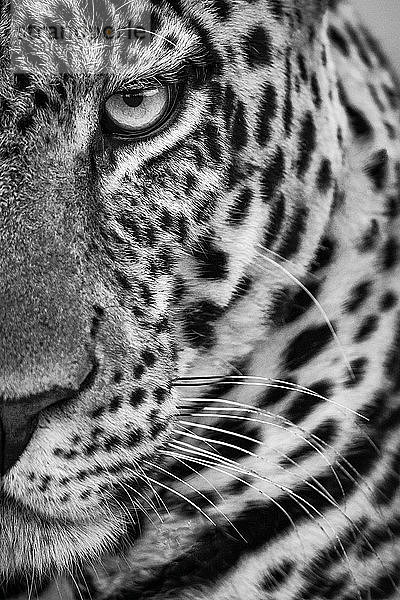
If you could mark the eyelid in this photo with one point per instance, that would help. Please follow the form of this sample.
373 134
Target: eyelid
147 92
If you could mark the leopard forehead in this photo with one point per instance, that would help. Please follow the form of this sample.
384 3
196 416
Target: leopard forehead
133 265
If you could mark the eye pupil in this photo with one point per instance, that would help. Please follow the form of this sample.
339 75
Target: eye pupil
133 100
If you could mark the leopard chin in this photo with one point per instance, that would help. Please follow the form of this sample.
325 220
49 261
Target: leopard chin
34 547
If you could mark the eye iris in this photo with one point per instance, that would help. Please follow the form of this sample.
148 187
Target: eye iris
138 113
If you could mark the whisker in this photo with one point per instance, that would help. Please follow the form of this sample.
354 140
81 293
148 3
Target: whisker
289 262
183 498
300 502
250 409
341 407
204 478
196 491
58 588
142 496
125 511
317 304
83 579
270 498
252 454
319 487
325 494
281 454
156 494
143 30
236 406
74 582
207 443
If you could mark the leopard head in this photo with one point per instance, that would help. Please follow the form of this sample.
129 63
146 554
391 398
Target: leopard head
141 181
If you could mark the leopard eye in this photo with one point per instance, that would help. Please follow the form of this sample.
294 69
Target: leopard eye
139 113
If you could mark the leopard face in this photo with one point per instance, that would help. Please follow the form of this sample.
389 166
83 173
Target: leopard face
128 249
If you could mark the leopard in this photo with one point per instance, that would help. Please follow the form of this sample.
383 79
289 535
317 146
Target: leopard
199 302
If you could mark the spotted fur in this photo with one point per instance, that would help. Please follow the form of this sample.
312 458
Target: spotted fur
218 305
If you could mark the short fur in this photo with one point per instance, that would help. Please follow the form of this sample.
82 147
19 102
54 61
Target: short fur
252 244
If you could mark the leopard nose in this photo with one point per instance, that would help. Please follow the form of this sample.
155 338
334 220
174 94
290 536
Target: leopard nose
19 418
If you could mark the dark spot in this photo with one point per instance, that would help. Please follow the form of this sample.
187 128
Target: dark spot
272 175
370 237
98 412
230 101
390 253
276 218
375 97
392 363
266 113
324 256
223 9
324 177
134 438
362 51
295 233
276 577
303 404
306 346
160 395
241 207
277 9
377 169
212 138
358 122
137 396
139 370
300 303
307 144
288 103
315 91
388 301
392 207
85 495
199 323
257 47
392 96
302 67
358 295
367 328
212 261
45 481
112 442
239 127
116 404
359 369
123 280
339 40
118 376
243 287
96 432
149 358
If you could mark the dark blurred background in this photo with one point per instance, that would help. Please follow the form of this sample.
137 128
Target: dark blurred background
383 18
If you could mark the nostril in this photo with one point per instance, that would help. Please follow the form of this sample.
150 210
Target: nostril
15 434
19 416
